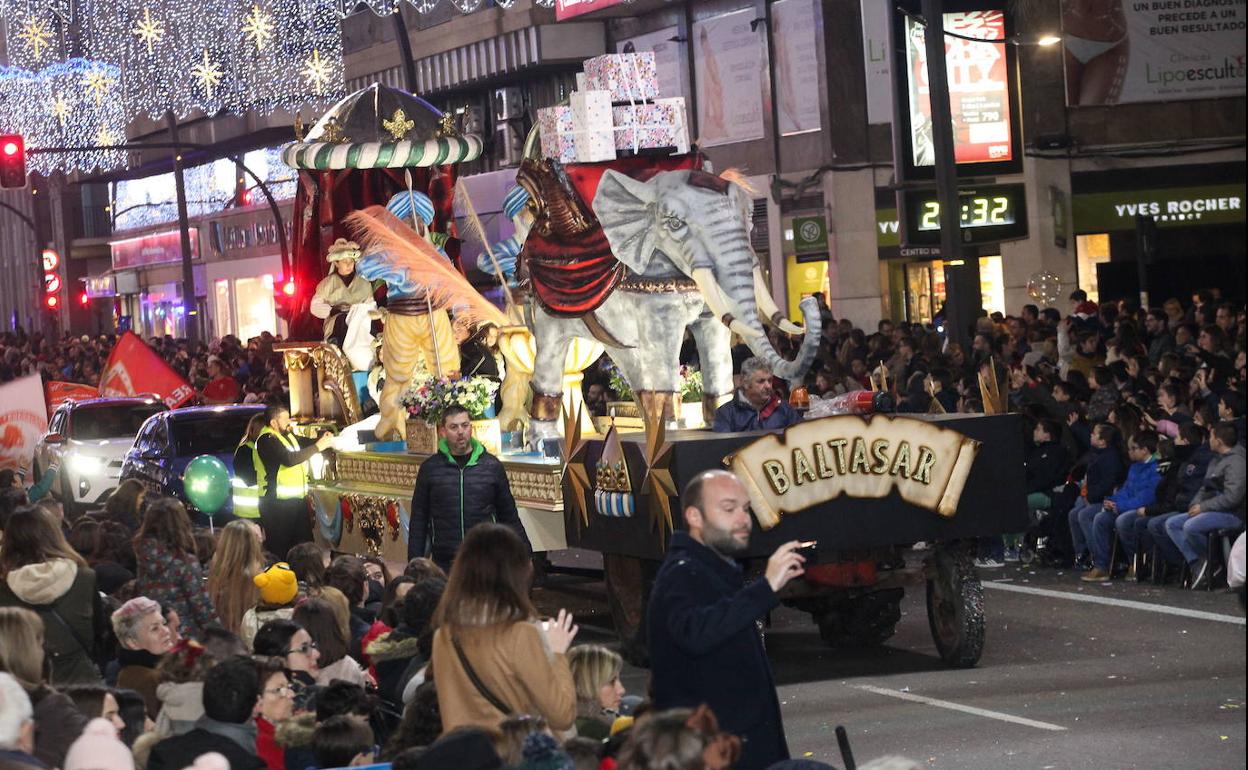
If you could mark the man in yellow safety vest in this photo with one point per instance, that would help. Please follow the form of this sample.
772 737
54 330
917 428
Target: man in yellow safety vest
282 479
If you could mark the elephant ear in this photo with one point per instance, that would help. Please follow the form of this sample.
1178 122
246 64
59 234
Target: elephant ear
626 210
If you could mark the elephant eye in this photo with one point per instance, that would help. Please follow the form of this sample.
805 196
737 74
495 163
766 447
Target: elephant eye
673 223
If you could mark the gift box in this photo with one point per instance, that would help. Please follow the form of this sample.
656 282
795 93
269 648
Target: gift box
592 126
555 129
650 126
628 77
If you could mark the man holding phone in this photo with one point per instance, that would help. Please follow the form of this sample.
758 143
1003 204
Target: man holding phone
704 643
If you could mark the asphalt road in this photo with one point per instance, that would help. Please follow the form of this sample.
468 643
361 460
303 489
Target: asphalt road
1062 683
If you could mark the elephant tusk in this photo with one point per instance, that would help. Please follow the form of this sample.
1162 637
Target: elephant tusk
711 292
768 306
739 327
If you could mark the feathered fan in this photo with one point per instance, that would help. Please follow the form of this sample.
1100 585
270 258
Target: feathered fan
378 230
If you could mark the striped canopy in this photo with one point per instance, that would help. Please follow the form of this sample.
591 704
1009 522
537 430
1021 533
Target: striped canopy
322 156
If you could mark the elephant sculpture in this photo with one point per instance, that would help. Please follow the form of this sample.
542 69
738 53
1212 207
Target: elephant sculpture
655 256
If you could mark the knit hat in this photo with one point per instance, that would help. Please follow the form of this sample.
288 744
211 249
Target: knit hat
402 204
542 752
277 584
99 749
468 748
343 249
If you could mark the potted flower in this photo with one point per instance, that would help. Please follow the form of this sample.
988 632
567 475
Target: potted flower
428 398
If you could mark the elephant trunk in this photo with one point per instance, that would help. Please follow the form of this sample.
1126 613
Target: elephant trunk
737 282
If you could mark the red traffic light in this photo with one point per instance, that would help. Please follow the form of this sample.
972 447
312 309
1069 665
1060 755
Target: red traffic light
52 300
83 299
289 289
12 161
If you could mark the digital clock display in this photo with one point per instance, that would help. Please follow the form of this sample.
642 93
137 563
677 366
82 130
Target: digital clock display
989 214
977 211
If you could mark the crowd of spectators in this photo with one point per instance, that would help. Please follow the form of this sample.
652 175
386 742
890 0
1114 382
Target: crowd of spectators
120 650
224 370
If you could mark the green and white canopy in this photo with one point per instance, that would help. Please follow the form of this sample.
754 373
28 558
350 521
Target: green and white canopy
382 127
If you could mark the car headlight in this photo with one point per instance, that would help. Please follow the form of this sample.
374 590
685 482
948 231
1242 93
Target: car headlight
86 464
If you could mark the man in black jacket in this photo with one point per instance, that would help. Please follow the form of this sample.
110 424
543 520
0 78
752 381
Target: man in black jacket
704 643
231 695
283 479
459 487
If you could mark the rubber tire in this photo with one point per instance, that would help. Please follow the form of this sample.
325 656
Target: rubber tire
863 621
955 608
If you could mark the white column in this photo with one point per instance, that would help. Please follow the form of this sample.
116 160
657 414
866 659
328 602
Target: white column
853 254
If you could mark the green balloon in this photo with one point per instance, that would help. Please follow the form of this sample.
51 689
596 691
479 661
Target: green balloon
206 482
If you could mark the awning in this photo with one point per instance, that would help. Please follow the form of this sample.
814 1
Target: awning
321 156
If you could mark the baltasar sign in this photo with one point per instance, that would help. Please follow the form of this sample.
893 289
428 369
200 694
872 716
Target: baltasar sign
817 461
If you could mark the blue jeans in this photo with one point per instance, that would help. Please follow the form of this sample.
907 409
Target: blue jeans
1157 533
1189 532
1131 527
1080 532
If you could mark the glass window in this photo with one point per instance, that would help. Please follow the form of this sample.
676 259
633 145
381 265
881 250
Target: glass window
223 308
1092 250
213 434
257 311
103 422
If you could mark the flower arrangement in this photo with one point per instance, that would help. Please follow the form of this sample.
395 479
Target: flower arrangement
427 399
690 383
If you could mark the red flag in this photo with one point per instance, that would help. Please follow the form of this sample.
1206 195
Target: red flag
131 362
60 392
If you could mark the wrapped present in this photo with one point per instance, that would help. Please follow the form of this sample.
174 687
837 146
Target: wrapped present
650 126
592 126
555 128
629 77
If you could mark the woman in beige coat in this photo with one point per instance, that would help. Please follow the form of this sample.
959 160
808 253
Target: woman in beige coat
488 631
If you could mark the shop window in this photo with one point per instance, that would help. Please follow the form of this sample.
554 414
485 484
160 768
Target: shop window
255 306
925 288
1092 250
223 310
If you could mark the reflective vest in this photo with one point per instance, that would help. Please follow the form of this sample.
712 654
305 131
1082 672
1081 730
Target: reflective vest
246 499
292 481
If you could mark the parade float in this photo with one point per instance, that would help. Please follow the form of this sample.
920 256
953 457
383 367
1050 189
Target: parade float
625 241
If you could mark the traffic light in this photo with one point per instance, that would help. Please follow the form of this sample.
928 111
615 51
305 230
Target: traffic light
12 161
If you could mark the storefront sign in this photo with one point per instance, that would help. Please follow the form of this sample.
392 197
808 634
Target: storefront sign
249 234
888 238
101 286
1172 49
804 277
817 461
982 85
729 63
1169 207
567 9
154 249
810 235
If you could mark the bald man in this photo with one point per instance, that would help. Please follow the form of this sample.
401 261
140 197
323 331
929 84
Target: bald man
704 643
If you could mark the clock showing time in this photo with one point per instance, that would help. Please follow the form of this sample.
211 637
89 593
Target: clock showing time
988 214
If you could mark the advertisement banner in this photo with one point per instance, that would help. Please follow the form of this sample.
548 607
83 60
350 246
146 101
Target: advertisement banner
134 369
568 9
729 65
23 419
154 249
669 60
60 392
797 66
877 62
979 93
1153 50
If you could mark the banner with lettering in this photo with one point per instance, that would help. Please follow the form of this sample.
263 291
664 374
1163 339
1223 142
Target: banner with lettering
819 460
60 392
730 65
134 369
1153 50
23 419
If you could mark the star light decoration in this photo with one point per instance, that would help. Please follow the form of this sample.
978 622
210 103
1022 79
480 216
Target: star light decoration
208 73
37 35
258 27
317 71
149 31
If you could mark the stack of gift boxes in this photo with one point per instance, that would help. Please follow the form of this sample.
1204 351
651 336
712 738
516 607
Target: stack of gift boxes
615 111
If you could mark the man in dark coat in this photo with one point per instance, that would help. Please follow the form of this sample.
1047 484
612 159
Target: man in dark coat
459 487
754 406
704 643
231 690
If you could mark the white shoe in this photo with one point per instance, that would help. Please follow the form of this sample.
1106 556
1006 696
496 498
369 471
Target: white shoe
988 564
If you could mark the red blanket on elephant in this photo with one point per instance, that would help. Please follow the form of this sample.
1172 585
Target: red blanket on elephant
572 270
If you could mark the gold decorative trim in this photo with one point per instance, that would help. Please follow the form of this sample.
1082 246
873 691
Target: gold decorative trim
335 374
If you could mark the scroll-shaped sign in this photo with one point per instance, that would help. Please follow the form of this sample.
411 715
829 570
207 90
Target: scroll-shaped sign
817 461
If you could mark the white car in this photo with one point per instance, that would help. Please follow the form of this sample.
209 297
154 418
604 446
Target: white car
86 441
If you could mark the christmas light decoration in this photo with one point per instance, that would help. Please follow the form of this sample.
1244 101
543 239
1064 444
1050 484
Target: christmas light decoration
34 29
149 31
258 28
